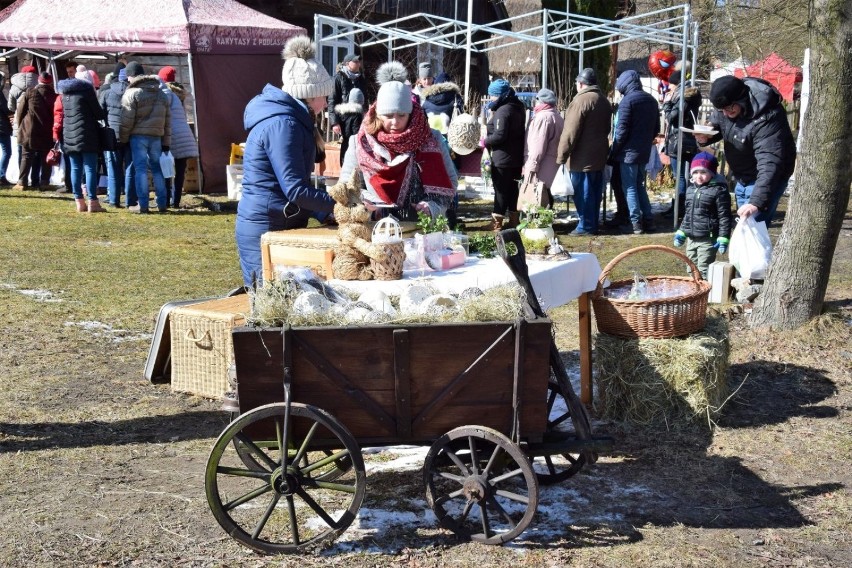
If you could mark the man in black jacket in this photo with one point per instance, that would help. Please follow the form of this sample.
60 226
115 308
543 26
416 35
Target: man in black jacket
759 144
347 78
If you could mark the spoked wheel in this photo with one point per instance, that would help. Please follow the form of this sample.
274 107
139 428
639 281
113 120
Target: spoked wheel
273 509
480 485
552 469
329 472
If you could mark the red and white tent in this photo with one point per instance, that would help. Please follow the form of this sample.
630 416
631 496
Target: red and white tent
232 52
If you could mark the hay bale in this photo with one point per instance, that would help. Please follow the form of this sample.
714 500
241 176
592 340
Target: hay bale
663 381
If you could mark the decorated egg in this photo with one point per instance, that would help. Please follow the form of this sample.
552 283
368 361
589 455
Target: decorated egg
311 304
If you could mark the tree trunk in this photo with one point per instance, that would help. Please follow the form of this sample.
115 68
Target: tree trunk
795 285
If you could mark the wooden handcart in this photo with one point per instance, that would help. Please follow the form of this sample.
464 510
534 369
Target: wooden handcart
287 475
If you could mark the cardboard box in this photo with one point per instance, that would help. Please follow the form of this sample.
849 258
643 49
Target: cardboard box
202 348
235 181
719 274
190 180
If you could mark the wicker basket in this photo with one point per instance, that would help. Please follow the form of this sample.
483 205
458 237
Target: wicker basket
391 268
659 318
202 348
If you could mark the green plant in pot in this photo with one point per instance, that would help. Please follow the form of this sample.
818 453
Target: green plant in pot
537 225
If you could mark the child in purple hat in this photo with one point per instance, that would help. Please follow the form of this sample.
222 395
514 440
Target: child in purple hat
706 225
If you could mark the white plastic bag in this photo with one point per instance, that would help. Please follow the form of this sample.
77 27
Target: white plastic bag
561 186
750 249
167 164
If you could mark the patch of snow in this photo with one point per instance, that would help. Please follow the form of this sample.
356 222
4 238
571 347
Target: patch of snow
40 295
408 458
99 329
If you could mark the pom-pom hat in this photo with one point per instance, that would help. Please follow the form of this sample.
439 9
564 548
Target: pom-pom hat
302 76
394 95
704 161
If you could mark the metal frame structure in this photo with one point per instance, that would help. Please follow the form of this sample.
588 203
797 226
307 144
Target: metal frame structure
561 30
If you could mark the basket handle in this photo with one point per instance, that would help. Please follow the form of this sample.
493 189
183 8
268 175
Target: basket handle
612 263
190 335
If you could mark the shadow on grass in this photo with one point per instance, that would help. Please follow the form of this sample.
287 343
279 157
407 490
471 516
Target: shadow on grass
160 429
772 392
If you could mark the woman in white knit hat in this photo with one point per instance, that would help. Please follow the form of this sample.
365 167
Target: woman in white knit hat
280 153
406 164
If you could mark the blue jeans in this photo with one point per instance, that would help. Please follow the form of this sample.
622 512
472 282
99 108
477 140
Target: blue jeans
633 183
119 179
146 152
5 153
588 192
84 163
743 194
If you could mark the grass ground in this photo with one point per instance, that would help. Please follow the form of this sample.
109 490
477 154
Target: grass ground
101 468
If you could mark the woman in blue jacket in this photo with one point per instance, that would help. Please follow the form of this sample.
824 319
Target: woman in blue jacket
279 156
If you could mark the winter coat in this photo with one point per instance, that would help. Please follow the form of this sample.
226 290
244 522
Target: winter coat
183 141
708 210
35 118
21 83
759 146
584 143
636 122
5 123
505 129
349 117
671 112
111 105
542 140
278 160
145 110
81 113
343 84
442 98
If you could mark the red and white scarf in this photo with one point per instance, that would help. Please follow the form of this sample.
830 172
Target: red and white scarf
388 159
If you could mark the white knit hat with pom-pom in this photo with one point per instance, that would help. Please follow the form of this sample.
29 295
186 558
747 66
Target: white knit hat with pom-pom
302 76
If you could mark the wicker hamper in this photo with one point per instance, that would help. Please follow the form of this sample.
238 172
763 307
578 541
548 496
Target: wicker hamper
672 316
202 348
312 248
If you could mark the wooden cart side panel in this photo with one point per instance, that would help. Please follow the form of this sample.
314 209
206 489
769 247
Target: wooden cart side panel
433 355
363 355
485 398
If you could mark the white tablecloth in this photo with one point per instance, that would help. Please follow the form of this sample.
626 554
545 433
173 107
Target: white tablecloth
555 282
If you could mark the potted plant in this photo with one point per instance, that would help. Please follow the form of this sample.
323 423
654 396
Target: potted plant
537 223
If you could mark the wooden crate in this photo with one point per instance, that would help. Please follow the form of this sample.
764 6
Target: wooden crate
202 348
412 383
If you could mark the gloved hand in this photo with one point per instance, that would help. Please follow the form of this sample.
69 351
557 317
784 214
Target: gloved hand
722 245
679 238
166 149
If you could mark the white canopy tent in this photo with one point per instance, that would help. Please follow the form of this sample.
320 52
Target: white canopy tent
561 30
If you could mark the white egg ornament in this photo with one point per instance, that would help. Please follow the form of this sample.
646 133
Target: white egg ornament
379 301
311 304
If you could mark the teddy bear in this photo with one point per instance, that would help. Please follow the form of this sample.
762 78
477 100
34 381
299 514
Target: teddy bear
352 255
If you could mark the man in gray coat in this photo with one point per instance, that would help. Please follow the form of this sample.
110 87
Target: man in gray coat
583 146
145 124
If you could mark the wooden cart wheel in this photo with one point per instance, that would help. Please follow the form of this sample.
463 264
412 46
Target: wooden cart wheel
329 472
273 509
477 466
550 469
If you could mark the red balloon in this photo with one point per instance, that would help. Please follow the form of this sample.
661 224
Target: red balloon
662 63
